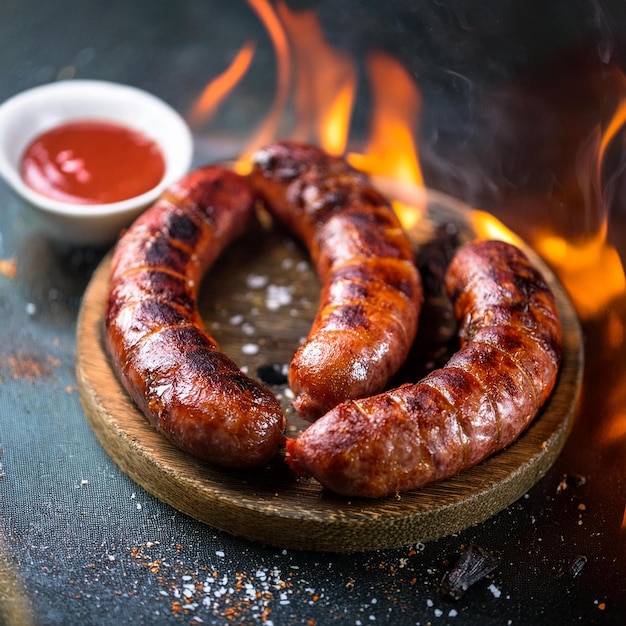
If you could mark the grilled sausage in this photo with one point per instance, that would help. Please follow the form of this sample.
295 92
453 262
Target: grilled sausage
371 289
162 353
477 404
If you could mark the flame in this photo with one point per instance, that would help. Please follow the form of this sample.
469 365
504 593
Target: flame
591 272
590 269
392 151
267 130
218 90
615 125
325 82
486 226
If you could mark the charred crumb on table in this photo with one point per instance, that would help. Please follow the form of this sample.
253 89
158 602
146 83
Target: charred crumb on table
577 565
474 564
573 481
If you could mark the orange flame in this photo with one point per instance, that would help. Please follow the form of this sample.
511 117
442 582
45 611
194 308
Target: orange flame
590 270
325 83
391 151
486 226
267 130
615 125
324 90
218 90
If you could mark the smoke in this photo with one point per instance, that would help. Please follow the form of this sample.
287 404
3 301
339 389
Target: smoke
604 26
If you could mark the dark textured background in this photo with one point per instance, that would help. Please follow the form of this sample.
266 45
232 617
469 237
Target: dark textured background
509 91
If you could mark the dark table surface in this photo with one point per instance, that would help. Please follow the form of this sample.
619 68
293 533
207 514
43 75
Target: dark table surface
508 99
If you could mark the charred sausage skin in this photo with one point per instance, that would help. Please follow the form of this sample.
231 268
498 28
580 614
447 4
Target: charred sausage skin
162 353
371 289
477 404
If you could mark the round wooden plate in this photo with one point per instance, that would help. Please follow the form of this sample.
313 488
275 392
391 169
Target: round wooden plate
258 301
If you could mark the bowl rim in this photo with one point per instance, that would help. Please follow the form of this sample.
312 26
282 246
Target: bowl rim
33 102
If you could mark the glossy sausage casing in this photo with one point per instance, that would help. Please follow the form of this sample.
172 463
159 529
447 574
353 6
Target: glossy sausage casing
371 289
478 403
171 367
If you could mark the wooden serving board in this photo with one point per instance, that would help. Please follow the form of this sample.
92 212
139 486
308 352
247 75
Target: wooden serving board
258 301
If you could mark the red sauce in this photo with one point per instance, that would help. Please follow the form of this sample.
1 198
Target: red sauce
92 162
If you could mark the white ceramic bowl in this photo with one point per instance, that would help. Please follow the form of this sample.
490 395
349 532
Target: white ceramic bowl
35 111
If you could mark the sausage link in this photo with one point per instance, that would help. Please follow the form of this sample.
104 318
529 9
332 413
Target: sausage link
478 403
371 289
162 353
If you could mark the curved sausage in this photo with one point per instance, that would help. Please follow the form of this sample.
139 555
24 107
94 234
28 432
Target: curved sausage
371 289
169 364
478 403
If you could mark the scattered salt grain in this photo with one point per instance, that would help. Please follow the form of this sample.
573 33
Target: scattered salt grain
278 296
255 281
31 309
250 348
219 553
496 592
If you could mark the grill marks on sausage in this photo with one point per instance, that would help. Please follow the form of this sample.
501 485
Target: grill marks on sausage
478 403
371 290
368 445
161 351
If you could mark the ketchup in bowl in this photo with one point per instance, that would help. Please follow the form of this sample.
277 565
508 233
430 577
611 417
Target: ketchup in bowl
92 162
